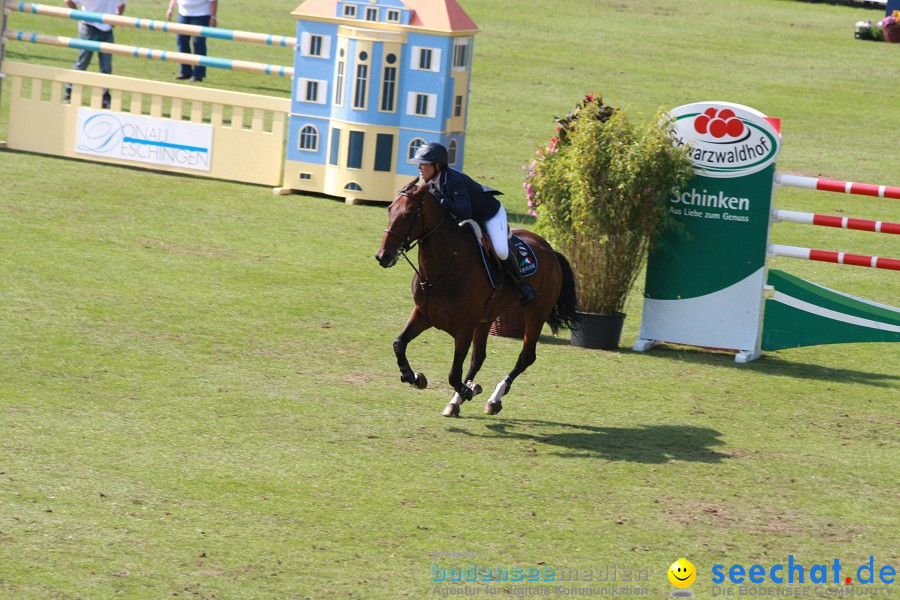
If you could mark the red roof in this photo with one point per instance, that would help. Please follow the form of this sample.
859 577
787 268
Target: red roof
438 15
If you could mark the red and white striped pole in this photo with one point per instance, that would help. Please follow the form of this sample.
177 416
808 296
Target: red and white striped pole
842 187
843 258
805 218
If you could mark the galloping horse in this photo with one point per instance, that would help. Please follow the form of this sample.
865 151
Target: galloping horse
452 292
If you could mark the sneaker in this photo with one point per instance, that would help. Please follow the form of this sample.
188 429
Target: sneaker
198 79
182 76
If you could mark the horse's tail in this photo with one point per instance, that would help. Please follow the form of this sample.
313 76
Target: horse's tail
564 312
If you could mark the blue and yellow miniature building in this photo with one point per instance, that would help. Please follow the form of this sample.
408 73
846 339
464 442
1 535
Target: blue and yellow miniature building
374 80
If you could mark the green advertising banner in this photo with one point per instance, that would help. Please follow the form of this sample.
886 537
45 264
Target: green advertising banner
706 276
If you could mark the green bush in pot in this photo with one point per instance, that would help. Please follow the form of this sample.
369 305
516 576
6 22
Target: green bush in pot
600 192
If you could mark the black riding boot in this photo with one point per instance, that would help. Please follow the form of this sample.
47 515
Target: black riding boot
526 292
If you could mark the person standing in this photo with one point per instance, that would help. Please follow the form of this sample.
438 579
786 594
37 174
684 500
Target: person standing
193 12
96 32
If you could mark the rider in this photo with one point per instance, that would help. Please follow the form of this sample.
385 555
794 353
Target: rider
465 199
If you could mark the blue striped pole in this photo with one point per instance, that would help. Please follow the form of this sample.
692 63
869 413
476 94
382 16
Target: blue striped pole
153 25
151 53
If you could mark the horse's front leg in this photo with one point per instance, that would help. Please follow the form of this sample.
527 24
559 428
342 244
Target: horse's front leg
479 353
416 324
462 340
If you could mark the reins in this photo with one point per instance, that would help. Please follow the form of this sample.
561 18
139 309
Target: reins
409 244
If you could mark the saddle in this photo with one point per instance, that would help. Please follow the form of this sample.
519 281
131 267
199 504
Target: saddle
527 260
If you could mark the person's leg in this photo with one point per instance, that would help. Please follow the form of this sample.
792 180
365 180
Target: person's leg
184 46
105 60
85 32
200 46
498 230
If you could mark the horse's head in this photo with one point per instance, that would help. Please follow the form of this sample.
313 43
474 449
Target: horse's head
408 216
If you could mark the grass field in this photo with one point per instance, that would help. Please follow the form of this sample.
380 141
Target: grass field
198 396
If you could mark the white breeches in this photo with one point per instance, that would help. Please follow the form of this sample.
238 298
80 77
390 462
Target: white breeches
497 228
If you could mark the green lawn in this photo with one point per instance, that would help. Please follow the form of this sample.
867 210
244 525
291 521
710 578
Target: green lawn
199 397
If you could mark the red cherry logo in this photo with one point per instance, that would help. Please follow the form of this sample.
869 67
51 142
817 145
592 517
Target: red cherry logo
701 124
719 123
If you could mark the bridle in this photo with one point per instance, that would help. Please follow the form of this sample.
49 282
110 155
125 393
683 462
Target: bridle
408 244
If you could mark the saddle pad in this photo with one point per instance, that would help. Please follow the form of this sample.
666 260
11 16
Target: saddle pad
528 264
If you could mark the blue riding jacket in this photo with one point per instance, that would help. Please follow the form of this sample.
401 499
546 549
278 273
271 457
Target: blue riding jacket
464 197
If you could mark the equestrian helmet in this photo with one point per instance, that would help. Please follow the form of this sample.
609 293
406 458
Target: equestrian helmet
431 153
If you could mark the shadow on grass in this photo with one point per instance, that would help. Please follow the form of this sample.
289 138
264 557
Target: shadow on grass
777 366
652 444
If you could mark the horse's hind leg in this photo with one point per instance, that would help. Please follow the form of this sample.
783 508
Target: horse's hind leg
416 324
527 356
479 353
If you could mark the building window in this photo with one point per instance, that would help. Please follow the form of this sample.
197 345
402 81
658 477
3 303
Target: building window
393 16
371 14
425 59
413 148
388 88
313 45
339 85
457 106
355 150
451 152
350 11
362 77
312 91
422 105
353 187
309 138
384 150
335 146
305 176
461 56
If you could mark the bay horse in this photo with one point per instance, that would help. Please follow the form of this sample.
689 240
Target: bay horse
452 292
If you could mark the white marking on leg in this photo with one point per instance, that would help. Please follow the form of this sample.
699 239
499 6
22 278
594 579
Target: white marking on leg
499 391
457 399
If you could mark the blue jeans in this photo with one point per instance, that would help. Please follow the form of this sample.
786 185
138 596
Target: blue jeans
87 32
184 45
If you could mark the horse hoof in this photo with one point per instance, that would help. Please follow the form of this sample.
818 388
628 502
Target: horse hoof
493 408
476 388
452 410
421 383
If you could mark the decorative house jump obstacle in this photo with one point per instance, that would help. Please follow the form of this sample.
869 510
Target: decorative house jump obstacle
371 82
374 81
706 282
149 124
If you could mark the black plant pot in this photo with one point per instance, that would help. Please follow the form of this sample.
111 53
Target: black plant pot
598 331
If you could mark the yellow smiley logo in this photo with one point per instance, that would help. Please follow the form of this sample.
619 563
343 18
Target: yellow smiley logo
682 573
